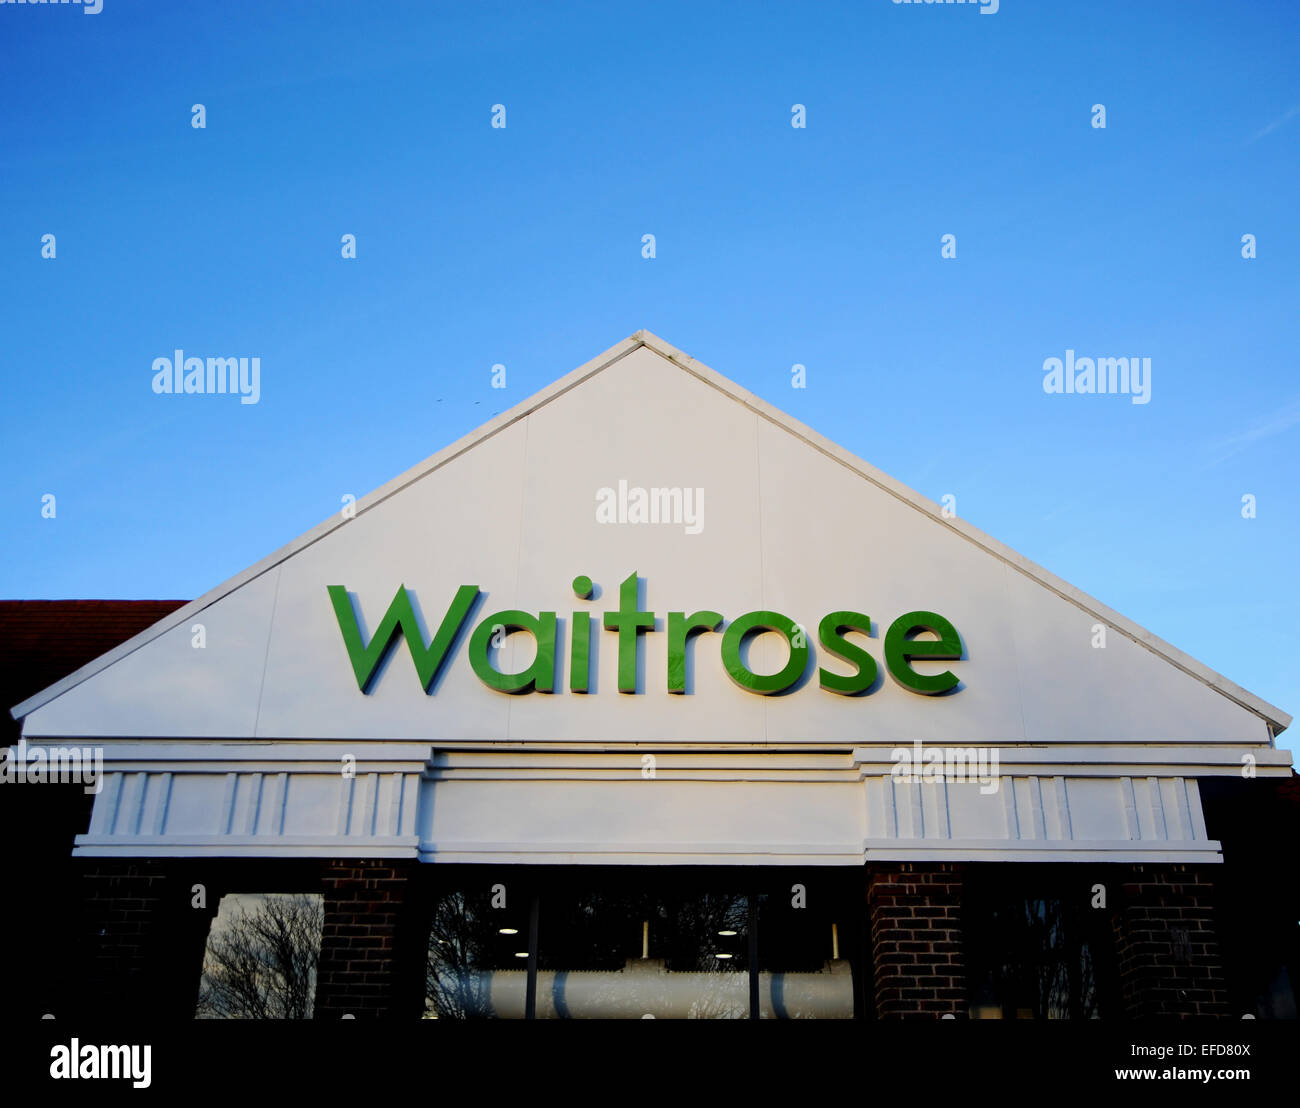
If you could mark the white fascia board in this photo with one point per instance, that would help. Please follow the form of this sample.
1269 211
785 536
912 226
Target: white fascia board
1103 759
1121 851
243 846
628 854
189 754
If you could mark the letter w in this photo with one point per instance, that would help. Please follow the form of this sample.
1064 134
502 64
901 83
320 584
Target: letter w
399 617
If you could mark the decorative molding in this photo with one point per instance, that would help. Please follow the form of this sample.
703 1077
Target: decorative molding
408 800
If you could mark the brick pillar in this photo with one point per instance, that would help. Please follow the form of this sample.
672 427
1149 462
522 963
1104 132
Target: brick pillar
914 910
362 970
127 940
1167 951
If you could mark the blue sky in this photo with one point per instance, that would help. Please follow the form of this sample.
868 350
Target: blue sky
774 246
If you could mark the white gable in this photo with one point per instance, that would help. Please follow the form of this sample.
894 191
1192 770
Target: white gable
791 523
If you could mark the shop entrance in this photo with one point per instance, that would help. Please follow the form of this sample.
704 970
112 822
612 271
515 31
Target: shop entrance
644 943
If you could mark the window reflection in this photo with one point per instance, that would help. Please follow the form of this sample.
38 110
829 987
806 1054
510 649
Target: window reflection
807 940
261 957
1035 957
475 953
661 953
637 946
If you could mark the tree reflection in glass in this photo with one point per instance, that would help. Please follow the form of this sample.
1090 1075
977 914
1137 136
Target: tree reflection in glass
261 957
468 941
1033 960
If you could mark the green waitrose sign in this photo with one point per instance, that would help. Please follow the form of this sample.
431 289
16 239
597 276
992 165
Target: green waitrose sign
629 623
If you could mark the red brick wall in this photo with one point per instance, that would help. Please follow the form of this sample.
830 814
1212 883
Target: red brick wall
914 918
1165 943
363 967
141 941
121 902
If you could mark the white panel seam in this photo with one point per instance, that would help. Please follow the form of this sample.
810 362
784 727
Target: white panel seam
266 654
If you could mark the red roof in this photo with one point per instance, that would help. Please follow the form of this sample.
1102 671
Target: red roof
42 641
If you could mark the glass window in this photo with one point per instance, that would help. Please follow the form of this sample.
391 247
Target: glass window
808 931
1036 949
261 957
478 945
640 944
658 951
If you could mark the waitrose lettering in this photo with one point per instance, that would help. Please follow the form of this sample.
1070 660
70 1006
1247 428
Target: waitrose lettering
629 623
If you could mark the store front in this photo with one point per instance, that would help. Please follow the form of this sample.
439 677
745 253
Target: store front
646 700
